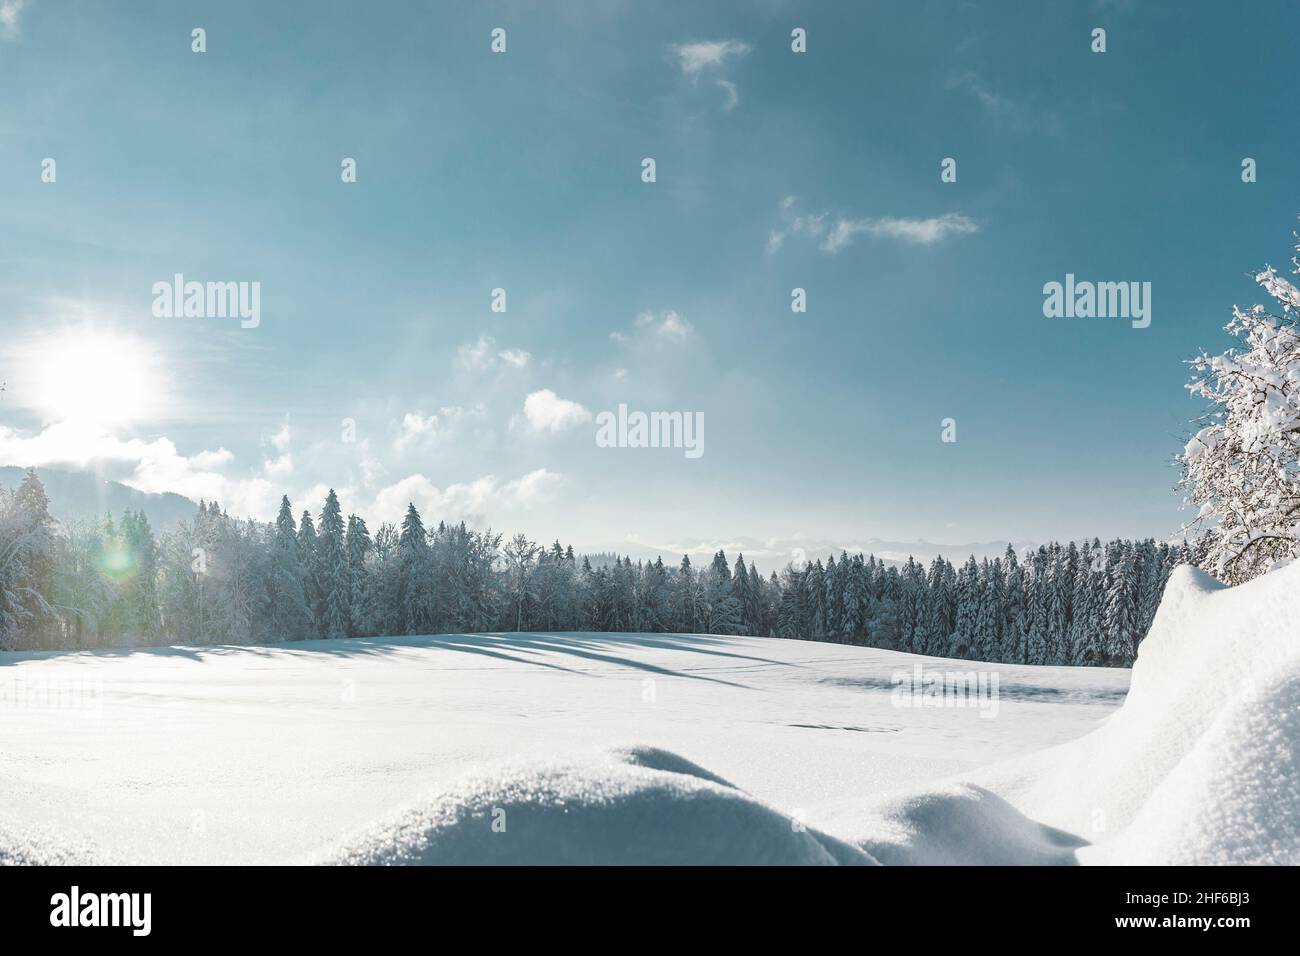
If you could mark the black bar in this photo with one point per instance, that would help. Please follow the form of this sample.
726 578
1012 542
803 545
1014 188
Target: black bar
337 906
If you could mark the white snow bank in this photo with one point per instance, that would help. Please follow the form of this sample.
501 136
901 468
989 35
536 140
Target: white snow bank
1201 764
960 824
638 806
1233 799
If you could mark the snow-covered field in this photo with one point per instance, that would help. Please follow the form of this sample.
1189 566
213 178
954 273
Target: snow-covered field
659 748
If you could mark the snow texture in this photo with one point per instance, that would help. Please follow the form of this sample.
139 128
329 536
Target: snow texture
643 806
514 748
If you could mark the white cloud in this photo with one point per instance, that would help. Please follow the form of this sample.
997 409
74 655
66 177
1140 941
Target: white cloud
415 426
841 230
152 466
533 488
476 356
992 101
462 500
842 233
205 460
390 503
10 12
668 325
805 226
923 232
673 326
516 357
372 469
418 429
809 226
546 411
280 467
483 354
712 55
157 466
281 438
1021 115
695 57
733 97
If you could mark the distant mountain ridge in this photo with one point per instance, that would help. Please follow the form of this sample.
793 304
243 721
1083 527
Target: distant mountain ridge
80 495
776 553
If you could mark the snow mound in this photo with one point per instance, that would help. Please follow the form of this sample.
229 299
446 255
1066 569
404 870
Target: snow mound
960 825
1233 799
1201 763
637 806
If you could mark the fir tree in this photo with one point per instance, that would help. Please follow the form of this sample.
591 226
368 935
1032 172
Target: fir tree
286 603
311 583
358 546
332 577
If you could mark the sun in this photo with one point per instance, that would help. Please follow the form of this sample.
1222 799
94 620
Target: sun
93 377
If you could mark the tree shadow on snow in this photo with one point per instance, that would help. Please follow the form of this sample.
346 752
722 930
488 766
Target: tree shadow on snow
525 647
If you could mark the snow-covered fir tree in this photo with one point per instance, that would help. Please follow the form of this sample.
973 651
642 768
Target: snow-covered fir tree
286 602
216 578
332 579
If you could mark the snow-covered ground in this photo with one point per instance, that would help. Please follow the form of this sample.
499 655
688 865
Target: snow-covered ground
673 748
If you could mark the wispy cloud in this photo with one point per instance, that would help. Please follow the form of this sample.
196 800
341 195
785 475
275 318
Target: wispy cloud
10 13
516 357
733 98
1010 111
280 466
481 355
666 326
695 59
922 232
833 233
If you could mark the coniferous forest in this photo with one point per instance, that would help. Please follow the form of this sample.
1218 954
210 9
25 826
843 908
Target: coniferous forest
217 579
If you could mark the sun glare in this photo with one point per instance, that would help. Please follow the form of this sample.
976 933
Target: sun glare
93 377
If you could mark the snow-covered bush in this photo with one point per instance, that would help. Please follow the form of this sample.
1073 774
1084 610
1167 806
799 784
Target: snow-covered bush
1242 468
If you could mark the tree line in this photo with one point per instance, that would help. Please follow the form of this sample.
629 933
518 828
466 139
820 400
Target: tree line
217 579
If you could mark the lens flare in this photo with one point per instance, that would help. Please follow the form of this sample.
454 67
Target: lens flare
117 562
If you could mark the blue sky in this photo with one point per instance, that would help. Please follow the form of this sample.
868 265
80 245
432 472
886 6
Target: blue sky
522 171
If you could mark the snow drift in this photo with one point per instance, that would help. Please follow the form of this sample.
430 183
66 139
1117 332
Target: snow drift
1201 764
641 806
